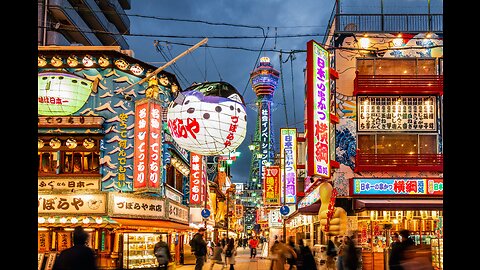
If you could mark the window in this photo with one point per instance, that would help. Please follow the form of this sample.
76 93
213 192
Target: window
68 155
396 66
381 143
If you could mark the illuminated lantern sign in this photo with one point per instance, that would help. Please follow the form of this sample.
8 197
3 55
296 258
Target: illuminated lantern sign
197 179
318 110
147 153
208 119
288 151
408 186
271 194
62 93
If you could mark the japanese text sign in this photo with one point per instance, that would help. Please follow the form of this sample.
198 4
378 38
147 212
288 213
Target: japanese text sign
407 186
72 203
271 194
123 205
147 154
318 110
197 178
288 152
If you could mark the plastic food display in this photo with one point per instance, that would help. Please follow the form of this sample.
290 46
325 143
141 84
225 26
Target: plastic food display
138 250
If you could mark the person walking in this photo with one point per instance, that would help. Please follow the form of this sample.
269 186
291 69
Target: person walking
199 246
217 256
340 247
350 255
253 243
291 261
281 252
395 253
79 256
230 251
331 254
162 253
305 259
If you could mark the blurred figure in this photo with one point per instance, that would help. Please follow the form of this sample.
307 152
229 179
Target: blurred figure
162 253
305 259
411 258
340 247
281 252
230 251
217 256
291 261
79 256
331 254
395 253
350 255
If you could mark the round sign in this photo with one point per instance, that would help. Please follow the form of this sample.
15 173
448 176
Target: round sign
284 210
205 213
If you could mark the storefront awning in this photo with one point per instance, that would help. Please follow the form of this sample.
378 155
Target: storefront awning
310 210
398 204
135 223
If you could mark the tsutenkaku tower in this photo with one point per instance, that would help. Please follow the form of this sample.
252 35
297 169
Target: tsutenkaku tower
264 80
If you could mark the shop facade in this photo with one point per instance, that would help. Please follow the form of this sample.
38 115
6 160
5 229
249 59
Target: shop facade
92 152
389 139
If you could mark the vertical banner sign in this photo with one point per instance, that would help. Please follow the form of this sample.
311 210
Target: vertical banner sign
288 153
264 137
147 153
238 211
271 186
196 178
318 110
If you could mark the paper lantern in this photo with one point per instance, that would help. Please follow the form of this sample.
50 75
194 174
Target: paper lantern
208 119
62 93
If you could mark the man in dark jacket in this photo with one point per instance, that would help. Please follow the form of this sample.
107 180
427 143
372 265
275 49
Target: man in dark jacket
162 253
200 247
79 256
395 253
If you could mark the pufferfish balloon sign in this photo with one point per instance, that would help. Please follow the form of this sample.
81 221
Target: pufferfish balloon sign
208 118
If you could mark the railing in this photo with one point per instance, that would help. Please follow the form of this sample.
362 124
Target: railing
398 162
387 23
398 84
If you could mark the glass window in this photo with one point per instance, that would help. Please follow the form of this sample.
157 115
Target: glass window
428 144
397 144
365 66
366 144
426 67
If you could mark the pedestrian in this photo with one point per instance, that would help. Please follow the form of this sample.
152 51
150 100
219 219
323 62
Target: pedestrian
281 252
395 253
340 247
331 254
253 243
162 253
217 256
79 256
224 242
411 258
305 259
350 255
230 251
291 261
199 247
273 254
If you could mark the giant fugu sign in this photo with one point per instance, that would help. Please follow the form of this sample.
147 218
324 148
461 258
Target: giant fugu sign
208 118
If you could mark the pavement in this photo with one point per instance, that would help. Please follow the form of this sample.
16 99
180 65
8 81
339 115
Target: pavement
242 262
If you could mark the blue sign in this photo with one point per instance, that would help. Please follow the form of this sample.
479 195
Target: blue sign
205 213
284 210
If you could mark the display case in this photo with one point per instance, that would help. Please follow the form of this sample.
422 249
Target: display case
437 252
138 250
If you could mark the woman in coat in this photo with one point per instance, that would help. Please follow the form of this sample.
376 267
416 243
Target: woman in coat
281 252
231 248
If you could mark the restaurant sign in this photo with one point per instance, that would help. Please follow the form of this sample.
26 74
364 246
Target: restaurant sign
72 203
134 206
402 186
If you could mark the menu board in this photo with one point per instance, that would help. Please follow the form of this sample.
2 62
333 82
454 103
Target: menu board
41 256
396 113
50 260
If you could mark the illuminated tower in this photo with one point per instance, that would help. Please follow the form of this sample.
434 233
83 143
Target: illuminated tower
264 80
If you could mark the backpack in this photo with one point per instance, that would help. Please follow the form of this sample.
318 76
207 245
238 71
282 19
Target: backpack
161 254
193 244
